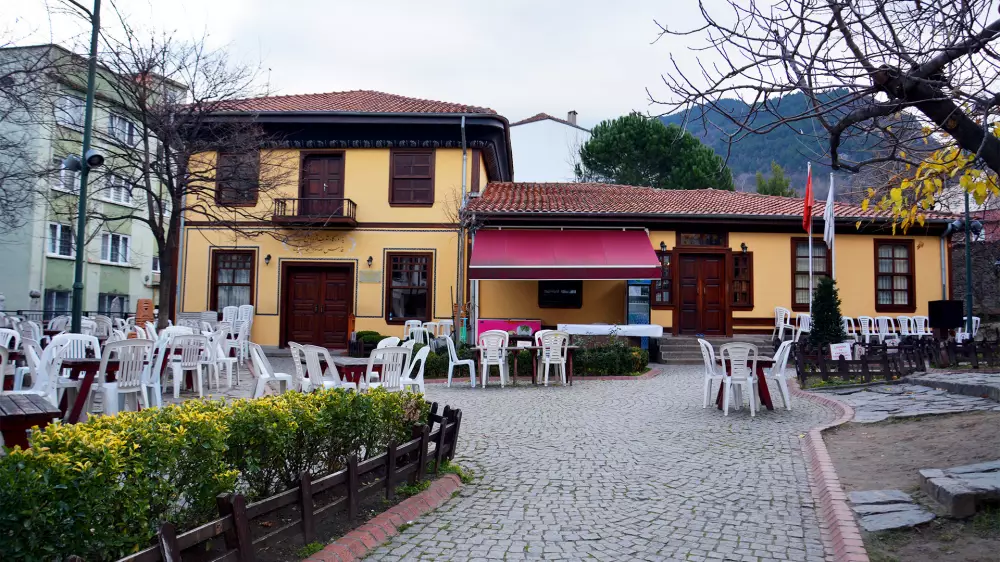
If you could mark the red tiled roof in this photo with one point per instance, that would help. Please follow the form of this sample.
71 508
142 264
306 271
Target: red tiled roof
599 198
354 101
542 117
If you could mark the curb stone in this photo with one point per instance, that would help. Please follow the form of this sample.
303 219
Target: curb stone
352 546
838 527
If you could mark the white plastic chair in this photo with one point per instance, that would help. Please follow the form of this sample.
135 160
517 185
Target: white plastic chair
921 326
905 325
420 335
102 326
454 361
59 322
241 346
317 376
433 329
88 327
152 372
554 354
194 351
391 341
409 325
493 351
446 327
72 346
229 313
244 316
265 373
19 372
333 374
742 372
886 327
29 329
778 373
44 370
868 329
131 355
393 361
151 331
782 320
712 372
219 340
803 325
417 363
116 335
850 328
300 380
10 339
961 334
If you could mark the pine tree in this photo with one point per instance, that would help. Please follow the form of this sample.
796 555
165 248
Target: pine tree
827 327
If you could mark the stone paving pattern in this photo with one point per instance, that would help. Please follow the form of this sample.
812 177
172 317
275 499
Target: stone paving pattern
877 403
621 470
969 384
881 510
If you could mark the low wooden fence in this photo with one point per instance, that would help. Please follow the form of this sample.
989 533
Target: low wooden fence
432 444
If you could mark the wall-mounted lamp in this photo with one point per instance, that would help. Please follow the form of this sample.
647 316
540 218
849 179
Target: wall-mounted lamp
663 246
267 259
370 260
743 246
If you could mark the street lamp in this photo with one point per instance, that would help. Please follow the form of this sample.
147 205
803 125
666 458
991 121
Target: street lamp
91 159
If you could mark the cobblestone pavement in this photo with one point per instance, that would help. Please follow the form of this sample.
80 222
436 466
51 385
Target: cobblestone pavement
621 470
877 403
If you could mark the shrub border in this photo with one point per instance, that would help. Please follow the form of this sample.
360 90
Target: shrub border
360 542
838 528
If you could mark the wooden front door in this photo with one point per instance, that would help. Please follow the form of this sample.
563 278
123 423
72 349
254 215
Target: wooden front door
318 303
702 295
322 185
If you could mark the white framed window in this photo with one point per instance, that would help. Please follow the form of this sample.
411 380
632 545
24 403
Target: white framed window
57 301
112 304
60 240
156 264
70 110
117 190
115 248
63 179
121 128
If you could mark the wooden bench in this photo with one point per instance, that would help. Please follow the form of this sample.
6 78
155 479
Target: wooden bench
21 412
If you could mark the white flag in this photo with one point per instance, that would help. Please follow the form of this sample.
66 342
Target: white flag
828 217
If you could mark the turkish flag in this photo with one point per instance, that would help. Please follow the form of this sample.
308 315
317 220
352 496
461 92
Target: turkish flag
807 208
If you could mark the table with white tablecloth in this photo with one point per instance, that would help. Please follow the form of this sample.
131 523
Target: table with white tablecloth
623 330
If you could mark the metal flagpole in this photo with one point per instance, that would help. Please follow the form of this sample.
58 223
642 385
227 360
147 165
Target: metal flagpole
833 239
809 175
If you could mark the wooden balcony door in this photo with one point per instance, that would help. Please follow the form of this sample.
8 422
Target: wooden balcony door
318 302
322 190
702 280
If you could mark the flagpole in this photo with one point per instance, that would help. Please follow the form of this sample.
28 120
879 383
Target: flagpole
809 174
833 240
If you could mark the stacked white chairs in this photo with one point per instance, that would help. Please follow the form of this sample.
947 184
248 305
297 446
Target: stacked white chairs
493 351
88 327
393 361
420 335
244 316
59 322
152 372
29 329
782 322
446 327
194 350
229 313
803 325
417 363
921 326
409 325
905 326
555 352
868 328
10 339
102 326
712 372
391 341
741 359
454 361
886 328
120 324
131 355
116 335
850 327
139 333
151 331
265 373
779 374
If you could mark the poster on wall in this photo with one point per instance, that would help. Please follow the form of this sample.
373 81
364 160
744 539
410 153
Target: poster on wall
838 350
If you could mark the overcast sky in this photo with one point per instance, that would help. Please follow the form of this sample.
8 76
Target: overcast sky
519 57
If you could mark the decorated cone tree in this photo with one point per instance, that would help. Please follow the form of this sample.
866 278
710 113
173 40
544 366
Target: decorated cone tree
827 327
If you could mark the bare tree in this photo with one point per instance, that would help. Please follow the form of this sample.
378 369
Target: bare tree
162 146
870 69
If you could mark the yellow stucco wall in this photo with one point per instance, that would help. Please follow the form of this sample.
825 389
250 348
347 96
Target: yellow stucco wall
603 302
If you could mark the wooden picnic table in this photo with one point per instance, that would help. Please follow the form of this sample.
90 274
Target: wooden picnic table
765 394
21 412
534 364
87 369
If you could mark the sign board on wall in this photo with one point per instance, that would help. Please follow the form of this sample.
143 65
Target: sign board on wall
369 276
838 350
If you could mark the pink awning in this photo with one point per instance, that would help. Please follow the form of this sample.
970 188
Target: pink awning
563 254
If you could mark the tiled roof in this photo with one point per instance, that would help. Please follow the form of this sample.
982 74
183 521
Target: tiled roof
521 198
354 101
542 117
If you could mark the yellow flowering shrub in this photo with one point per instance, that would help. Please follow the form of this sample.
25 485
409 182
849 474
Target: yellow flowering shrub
100 489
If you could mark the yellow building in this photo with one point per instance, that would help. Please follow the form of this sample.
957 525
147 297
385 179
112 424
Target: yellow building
348 217
721 261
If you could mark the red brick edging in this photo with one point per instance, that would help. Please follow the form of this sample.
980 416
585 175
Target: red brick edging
361 541
837 525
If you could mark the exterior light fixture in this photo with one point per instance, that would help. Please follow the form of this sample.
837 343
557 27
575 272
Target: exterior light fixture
370 260
743 246
663 246
267 259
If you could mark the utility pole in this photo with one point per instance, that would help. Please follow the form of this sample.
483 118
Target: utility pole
968 268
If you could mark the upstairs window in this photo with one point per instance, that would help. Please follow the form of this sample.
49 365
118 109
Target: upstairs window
236 179
118 190
122 129
115 248
60 240
63 179
412 181
156 264
70 111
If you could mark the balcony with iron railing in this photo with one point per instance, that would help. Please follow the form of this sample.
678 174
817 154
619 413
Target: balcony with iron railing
315 212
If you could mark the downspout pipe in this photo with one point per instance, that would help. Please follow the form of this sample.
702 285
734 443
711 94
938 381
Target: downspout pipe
944 262
460 284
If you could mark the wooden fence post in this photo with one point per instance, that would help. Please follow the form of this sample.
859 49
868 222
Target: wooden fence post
169 549
352 487
454 435
242 540
390 470
441 440
416 432
306 507
425 437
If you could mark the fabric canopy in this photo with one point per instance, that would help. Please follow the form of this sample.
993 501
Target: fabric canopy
563 254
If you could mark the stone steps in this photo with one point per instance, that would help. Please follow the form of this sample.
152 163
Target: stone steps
686 351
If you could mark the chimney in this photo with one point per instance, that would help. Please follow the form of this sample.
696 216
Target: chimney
571 116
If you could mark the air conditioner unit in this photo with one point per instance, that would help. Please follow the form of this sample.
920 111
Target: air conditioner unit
153 279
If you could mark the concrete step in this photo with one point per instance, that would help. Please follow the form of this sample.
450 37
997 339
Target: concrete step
697 361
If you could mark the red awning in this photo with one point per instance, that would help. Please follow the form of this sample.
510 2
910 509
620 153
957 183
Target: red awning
563 254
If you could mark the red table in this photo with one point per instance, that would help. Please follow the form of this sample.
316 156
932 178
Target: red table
88 368
765 395
21 412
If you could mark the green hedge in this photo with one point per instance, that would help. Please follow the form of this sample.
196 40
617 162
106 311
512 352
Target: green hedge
99 489
614 358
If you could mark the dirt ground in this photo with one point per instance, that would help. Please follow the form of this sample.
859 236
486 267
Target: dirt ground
888 455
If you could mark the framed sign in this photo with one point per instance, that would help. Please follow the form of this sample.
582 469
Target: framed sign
838 350
560 294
